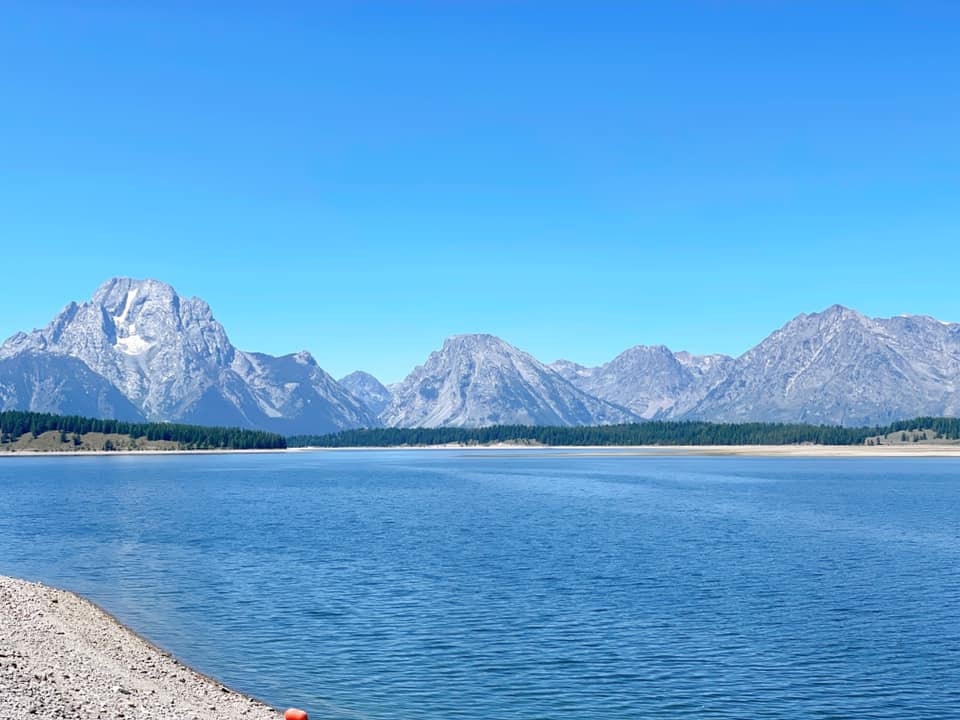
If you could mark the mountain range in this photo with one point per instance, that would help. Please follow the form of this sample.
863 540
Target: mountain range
139 351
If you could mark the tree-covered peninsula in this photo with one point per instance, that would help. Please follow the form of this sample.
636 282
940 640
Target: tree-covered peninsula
20 430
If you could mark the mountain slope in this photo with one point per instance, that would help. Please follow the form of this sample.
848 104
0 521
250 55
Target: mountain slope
652 382
47 383
137 350
173 361
295 392
368 390
477 380
840 367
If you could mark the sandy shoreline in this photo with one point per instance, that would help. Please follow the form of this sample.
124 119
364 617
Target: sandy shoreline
852 451
63 657
122 453
862 451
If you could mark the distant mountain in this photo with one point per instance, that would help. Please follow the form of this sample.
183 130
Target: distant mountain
840 367
139 351
61 385
477 380
172 361
296 393
651 381
368 390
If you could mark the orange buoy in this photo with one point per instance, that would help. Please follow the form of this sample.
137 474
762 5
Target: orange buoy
295 714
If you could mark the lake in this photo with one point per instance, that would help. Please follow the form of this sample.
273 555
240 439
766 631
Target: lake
518 585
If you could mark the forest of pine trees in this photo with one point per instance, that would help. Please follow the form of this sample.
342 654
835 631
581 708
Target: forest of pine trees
650 433
14 423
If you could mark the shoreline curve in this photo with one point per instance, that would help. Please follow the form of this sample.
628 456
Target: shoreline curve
61 655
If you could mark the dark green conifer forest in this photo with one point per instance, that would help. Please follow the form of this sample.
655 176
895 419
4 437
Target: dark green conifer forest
14 423
650 433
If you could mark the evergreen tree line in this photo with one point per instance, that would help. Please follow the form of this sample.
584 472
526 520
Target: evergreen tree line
15 423
650 433
946 428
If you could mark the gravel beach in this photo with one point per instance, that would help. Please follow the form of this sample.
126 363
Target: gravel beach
62 657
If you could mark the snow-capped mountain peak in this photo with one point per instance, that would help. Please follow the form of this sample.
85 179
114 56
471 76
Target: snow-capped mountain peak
139 350
172 360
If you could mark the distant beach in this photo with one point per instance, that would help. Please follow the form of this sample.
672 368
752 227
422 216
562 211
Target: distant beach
120 453
859 451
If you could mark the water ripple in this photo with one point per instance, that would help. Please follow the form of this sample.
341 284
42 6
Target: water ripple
368 586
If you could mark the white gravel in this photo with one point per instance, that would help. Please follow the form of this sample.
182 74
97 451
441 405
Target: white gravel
62 657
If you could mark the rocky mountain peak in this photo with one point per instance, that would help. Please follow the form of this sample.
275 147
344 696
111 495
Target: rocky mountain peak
841 367
305 358
366 388
137 349
479 379
159 349
833 317
173 361
473 342
650 380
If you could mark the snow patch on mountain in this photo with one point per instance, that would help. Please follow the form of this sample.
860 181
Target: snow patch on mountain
139 350
173 361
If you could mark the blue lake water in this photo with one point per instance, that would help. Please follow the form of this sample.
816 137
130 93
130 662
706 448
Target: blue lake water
488 585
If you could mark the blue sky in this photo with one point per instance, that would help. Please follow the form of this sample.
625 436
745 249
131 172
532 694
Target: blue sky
365 179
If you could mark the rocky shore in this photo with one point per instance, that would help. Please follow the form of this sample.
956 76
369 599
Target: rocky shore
62 657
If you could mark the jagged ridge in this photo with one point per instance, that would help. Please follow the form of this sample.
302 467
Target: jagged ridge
476 380
139 351
172 361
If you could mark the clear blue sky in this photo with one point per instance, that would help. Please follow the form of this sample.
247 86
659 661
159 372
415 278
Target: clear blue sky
365 179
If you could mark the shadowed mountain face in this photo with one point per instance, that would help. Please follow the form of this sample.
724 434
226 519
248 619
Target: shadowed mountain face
477 380
61 385
652 382
368 390
172 361
137 350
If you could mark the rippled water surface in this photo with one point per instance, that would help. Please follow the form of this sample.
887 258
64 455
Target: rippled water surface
486 585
